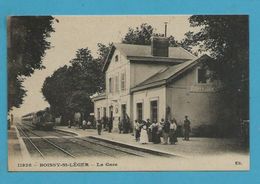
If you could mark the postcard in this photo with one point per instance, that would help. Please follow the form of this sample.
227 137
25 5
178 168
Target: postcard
128 93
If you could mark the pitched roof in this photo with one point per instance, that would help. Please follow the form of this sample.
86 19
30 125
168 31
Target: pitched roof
167 74
145 51
141 52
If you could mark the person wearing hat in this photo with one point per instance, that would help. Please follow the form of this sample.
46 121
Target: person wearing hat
186 127
149 131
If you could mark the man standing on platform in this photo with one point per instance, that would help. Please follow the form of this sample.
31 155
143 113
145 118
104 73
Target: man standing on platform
186 127
99 127
105 122
110 124
120 125
165 130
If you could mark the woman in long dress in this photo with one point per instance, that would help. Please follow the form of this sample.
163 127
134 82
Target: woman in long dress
144 136
155 134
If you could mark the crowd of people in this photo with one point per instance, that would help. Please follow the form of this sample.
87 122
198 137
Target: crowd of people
146 131
165 131
105 123
124 125
81 124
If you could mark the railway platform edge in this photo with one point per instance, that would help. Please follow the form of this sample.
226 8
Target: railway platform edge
24 151
16 147
197 146
92 134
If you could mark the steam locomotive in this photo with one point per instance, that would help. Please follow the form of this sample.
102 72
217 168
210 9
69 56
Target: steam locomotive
41 119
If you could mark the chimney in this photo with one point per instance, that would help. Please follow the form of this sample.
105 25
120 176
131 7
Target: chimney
160 46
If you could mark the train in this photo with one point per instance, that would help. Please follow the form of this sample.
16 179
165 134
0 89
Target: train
41 119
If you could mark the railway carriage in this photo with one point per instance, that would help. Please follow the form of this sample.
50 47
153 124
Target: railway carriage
28 118
41 119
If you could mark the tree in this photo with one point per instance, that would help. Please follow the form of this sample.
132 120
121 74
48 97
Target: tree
27 42
103 51
86 68
16 92
140 35
69 89
188 42
226 38
56 88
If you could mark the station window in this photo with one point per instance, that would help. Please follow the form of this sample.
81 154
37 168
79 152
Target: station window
116 58
139 110
98 113
111 111
202 77
123 110
110 85
123 76
117 84
104 111
154 110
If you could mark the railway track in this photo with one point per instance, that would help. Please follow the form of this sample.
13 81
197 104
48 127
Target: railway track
109 146
95 148
74 146
96 145
30 140
25 131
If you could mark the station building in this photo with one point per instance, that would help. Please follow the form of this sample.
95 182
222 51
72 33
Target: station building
157 81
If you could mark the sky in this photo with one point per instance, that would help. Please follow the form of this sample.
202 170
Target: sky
74 32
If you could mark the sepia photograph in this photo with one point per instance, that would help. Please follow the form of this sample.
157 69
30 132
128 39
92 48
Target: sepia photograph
128 93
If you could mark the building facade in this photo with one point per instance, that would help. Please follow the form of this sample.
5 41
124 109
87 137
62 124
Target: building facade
158 81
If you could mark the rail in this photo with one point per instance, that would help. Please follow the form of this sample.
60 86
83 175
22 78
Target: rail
30 140
48 141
